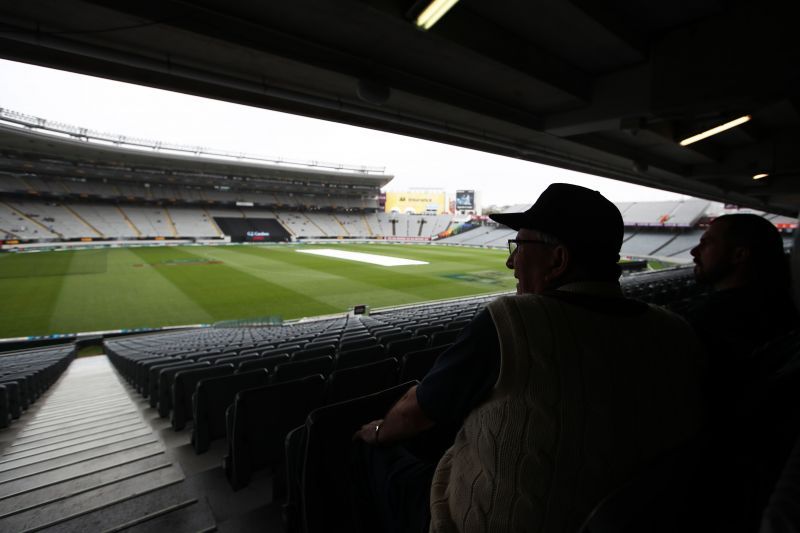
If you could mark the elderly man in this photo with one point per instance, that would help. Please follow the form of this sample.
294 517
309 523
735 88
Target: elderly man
560 393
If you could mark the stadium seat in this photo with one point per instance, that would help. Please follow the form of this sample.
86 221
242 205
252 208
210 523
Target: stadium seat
5 414
215 357
257 350
383 328
152 378
399 348
324 481
351 335
183 389
237 360
428 330
362 342
259 420
294 453
142 373
318 351
285 347
780 514
166 378
394 336
294 370
356 381
416 364
211 399
322 343
327 335
360 356
267 363
14 402
27 389
458 324
658 499
441 338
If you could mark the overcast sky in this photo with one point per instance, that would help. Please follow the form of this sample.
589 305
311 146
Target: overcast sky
132 110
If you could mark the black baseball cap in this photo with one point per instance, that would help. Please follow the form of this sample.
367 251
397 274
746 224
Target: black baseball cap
584 220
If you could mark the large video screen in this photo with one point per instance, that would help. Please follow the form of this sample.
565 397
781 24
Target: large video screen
252 229
419 202
465 200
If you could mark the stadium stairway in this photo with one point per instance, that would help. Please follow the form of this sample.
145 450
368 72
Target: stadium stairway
91 455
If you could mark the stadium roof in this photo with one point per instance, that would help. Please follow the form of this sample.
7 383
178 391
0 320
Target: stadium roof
34 145
608 87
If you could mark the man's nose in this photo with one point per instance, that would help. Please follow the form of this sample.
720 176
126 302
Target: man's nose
510 260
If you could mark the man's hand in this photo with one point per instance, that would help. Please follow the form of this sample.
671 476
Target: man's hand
367 433
402 422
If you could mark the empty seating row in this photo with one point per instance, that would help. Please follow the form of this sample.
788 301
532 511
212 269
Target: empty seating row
347 361
662 287
202 375
26 374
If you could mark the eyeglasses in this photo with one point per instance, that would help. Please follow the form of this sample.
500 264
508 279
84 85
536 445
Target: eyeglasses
514 243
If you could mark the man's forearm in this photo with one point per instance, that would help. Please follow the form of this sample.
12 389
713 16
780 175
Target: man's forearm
403 421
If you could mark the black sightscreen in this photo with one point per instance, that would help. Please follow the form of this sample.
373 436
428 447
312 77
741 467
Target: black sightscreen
252 229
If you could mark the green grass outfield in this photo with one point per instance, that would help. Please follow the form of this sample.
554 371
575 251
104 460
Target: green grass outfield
94 290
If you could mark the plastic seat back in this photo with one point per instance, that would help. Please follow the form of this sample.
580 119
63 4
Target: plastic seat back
260 420
329 430
183 389
415 365
399 348
361 380
210 400
300 369
357 357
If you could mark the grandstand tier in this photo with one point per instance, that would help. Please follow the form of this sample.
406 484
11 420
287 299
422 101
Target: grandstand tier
32 219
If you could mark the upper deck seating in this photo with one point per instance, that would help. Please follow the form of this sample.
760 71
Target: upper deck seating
645 243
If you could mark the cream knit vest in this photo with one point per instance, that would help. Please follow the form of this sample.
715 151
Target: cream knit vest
583 399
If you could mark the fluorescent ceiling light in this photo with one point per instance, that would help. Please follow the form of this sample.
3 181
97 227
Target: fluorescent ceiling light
714 131
759 176
431 14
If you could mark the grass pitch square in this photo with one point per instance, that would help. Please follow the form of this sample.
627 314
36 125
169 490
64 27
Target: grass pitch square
96 290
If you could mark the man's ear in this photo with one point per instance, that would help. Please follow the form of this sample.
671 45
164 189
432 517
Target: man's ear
741 255
560 262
